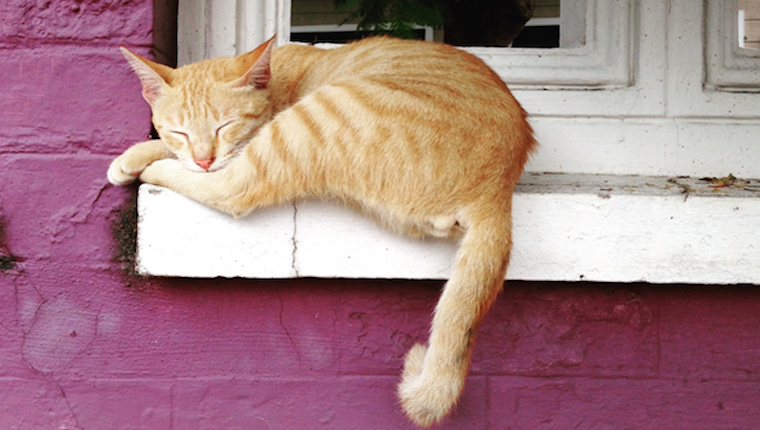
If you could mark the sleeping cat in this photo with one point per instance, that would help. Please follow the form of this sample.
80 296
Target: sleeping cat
421 136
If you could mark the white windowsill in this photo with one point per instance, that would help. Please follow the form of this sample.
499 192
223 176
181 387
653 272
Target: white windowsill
567 227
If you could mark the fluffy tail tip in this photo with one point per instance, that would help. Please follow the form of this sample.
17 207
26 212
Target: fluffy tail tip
426 398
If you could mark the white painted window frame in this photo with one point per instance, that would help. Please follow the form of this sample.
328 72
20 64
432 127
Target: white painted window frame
730 66
604 61
215 28
658 88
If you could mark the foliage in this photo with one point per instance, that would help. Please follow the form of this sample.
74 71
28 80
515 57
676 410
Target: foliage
394 17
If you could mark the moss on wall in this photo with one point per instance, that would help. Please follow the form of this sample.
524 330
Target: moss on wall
124 231
7 259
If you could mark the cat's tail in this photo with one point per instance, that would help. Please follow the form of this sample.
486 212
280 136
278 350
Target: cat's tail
433 376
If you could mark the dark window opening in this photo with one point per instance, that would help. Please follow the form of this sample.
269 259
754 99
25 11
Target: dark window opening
339 36
544 36
165 32
164 37
496 23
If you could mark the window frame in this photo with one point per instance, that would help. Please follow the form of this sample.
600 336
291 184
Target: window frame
716 81
729 67
604 61
653 103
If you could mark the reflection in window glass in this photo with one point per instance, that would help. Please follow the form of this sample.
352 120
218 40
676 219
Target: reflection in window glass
749 24
501 23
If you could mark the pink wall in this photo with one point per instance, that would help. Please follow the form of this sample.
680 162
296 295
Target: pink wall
82 348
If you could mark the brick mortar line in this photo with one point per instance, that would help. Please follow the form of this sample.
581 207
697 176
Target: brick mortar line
113 42
237 378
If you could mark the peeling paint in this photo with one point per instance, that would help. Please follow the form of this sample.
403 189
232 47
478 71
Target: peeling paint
60 331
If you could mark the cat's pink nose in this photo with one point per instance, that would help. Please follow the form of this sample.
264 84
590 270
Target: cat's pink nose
205 163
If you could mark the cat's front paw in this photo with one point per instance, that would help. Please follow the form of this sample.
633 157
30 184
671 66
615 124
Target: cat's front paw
162 172
120 173
127 167
425 397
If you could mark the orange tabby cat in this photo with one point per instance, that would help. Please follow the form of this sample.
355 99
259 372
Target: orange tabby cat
422 136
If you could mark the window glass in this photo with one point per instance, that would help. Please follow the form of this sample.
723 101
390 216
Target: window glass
749 24
496 23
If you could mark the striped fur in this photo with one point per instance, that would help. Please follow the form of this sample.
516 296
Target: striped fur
423 137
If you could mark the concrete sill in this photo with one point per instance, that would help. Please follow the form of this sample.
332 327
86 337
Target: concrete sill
566 228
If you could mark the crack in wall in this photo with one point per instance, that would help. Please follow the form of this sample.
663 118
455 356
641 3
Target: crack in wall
64 223
83 217
48 377
77 425
21 280
285 329
92 340
61 331
25 332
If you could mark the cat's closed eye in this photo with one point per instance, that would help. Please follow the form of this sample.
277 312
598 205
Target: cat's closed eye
175 139
180 134
221 127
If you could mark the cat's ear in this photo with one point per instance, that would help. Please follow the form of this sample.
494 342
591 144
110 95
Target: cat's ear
256 65
153 76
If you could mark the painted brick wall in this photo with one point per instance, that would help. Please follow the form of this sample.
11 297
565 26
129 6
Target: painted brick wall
84 347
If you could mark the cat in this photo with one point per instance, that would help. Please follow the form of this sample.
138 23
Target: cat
422 136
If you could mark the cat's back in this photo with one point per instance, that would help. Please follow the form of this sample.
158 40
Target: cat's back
436 69
399 126
404 93
409 62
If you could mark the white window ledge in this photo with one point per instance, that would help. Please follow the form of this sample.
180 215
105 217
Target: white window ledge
567 227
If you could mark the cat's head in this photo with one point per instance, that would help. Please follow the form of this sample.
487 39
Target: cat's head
206 112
